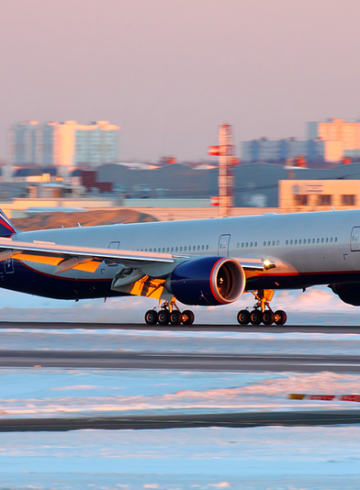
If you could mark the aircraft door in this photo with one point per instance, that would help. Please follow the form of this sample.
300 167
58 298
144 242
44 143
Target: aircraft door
223 246
114 246
355 239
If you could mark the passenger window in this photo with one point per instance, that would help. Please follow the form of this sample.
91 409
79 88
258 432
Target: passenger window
237 245
291 242
331 240
327 240
300 241
207 247
264 244
167 249
277 243
273 243
295 242
194 248
242 245
287 242
269 243
335 239
255 244
180 249
198 247
317 240
247 244
172 249
313 240
202 247
322 240
251 244
185 248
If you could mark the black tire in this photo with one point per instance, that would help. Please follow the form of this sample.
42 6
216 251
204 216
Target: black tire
280 317
268 317
175 317
256 317
188 317
151 317
163 317
243 317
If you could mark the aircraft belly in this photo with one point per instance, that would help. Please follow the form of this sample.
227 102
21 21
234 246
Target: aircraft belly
39 281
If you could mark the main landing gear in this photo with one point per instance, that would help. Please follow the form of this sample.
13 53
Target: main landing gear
260 314
169 313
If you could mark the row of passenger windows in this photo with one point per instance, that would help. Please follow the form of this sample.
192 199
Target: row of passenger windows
190 248
306 241
246 244
275 243
269 243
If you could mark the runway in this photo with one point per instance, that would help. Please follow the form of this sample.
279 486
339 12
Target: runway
240 420
169 361
328 329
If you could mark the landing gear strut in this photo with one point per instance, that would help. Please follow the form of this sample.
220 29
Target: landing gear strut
169 313
262 313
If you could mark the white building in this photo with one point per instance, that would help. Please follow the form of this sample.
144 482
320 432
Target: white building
64 144
96 144
23 146
340 138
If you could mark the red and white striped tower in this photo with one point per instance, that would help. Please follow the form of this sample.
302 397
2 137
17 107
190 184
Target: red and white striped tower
226 178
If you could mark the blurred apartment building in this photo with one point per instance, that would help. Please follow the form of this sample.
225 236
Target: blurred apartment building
63 144
329 141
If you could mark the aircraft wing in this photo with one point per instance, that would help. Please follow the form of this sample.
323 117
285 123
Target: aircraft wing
65 257
88 259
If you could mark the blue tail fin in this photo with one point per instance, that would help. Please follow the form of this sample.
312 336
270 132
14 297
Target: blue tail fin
6 228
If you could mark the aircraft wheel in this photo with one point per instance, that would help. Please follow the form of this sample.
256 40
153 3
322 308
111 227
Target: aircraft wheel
163 317
268 317
175 317
280 317
256 317
151 317
188 317
243 317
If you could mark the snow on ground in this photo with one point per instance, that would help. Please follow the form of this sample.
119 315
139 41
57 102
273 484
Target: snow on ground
180 341
267 458
317 305
81 392
263 458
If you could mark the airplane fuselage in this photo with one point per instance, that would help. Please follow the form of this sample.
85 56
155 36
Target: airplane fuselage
307 248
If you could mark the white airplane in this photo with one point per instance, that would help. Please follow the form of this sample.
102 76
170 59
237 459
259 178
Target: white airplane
198 262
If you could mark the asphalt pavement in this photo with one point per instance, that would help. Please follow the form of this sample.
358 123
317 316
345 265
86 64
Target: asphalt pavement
240 420
168 361
328 329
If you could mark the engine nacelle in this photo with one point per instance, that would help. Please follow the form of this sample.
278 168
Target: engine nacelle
348 293
207 281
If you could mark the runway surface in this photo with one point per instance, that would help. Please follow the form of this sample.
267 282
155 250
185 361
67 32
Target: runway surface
328 329
199 362
254 419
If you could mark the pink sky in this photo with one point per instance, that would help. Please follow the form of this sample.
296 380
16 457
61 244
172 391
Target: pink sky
170 71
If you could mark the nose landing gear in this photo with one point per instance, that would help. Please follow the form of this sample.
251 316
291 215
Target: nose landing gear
169 313
260 314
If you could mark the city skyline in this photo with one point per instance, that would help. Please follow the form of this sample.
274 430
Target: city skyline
169 73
